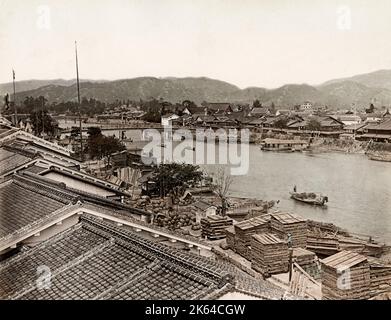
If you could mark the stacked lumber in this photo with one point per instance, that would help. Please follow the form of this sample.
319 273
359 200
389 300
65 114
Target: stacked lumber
307 260
345 275
303 257
380 277
323 245
230 237
269 254
361 246
245 229
284 223
213 227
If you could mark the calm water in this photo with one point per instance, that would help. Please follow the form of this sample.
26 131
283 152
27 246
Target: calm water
359 190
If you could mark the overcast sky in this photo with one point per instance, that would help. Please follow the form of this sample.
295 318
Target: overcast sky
247 43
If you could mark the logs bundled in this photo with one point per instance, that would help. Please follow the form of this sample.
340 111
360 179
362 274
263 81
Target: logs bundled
213 227
176 220
346 275
284 223
269 253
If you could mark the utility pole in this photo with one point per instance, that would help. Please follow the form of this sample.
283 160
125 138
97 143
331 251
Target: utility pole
78 100
15 111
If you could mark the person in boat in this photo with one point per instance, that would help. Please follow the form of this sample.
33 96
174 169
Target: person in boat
294 189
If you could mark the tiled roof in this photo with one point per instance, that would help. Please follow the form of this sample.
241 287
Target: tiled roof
29 201
23 203
94 260
10 160
385 125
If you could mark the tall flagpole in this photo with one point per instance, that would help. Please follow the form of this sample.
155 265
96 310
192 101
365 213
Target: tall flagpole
15 111
78 100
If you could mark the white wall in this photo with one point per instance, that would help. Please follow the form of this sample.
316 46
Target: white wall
79 185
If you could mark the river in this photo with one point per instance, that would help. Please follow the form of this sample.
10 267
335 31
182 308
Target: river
359 189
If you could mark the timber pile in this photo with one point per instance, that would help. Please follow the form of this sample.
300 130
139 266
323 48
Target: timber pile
284 223
245 229
380 277
346 275
213 227
303 257
230 237
269 254
323 245
326 228
307 260
361 246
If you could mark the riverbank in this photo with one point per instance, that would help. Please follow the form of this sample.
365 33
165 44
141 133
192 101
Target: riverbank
326 145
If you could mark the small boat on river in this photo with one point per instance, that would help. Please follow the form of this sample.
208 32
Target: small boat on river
279 145
380 157
310 198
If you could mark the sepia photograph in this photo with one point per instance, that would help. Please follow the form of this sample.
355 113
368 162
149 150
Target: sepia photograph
195 150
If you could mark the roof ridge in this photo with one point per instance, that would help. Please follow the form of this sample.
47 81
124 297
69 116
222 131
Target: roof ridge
39 246
188 261
26 153
44 189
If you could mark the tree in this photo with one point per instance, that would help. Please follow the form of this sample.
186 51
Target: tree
314 125
41 121
281 123
99 146
221 186
371 109
174 178
152 116
257 104
273 108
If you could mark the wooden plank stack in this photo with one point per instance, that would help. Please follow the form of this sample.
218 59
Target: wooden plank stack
213 227
230 237
360 246
284 223
380 277
307 260
345 275
245 229
323 245
269 253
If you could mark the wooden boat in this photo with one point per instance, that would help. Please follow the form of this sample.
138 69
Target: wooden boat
278 145
380 157
310 198
282 149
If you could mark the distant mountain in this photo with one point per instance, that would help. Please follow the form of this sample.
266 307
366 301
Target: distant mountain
170 89
338 93
27 85
348 92
376 79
